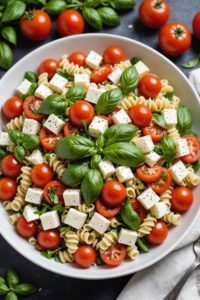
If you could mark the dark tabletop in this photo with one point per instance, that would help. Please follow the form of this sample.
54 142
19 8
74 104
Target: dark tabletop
54 286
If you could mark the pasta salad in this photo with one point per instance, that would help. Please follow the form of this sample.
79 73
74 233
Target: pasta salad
98 158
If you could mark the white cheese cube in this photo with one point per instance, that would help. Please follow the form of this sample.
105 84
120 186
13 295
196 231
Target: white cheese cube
93 60
82 80
170 116
4 139
72 197
179 171
152 158
34 195
43 92
50 220
93 94
99 223
121 117
182 148
98 126
24 87
145 143
106 168
75 218
115 76
36 157
141 68
124 174
58 83
127 237
159 210
30 126
54 124
148 198
29 213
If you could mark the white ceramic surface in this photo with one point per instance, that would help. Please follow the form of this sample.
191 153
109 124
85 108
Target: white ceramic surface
163 68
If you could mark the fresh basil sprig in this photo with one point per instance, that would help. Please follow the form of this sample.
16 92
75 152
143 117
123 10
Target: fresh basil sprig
53 104
129 216
91 186
109 16
19 153
55 7
92 17
169 95
92 3
95 161
143 245
119 133
122 4
75 93
74 174
109 101
129 79
134 60
158 119
64 74
31 76
6 56
168 149
13 11
9 34
184 119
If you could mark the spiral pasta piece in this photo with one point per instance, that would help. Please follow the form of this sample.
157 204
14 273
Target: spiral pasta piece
173 133
123 65
130 192
167 196
7 205
85 209
114 223
43 79
87 237
16 123
71 241
136 184
132 252
12 219
147 225
172 219
56 164
192 179
65 256
107 240
32 241
166 87
71 68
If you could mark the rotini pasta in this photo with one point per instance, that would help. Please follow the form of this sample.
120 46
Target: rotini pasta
172 218
65 256
71 241
173 133
107 240
114 223
87 237
43 79
88 210
192 179
130 192
146 226
71 68
16 123
167 196
56 164
132 252
12 219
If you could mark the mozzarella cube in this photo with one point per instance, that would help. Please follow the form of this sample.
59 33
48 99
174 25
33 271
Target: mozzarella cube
127 237
82 80
50 220
98 126
34 195
182 148
93 60
115 76
99 223
30 126
121 117
148 198
152 158
75 218
145 143
58 83
179 171
141 68
24 87
159 210
29 213
43 92
4 139
124 174
170 116
72 197
54 124
106 168
36 157
93 94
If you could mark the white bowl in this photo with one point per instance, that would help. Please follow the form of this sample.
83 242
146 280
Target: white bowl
163 68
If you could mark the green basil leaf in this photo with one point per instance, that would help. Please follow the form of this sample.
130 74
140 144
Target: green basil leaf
168 148
19 153
109 16
75 93
109 101
15 136
43 2
92 17
158 119
75 147
196 166
134 60
53 195
11 296
12 278
31 141
50 253
6 56
119 133
59 208
63 73
14 11
32 89
3 289
129 79
74 174
192 63
169 96
122 4
100 141
95 161
55 7
129 216
31 76
92 3
91 186
2 153
184 120
9 34
158 148
2 280
53 104
143 245
124 154
25 289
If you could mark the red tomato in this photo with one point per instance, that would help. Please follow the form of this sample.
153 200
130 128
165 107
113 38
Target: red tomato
155 131
70 22
194 147
13 107
58 187
163 183
85 256
49 239
154 13
26 229
158 234
113 193
41 174
78 58
10 166
69 129
140 115
196 25
81 111
8 189
49 66
182 198
174 38
149 174
35 25
48 139
140 210
114 255
113 55
106 211
31 106
149 86
101 74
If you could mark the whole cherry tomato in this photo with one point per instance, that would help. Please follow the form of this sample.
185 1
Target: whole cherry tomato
49 239
140 115
85 256
26 229
10 166
49 66
8 189
77 58
113 55
158 233
196 25
113 193
41 174
149 86
81 111
13 107
70 22
182 198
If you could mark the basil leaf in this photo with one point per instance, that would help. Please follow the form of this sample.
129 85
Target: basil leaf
75 93
158 148
75 147
25 289
12 278
13 11
53 104
31 76
196 166
109 16
192 63
11 296
9 34
143 245
92 17
92 3
158 119
122 4
168 148
63 73
134 60
19 153
3 289
109 101
31 141
53 195
129 79
169 96
91 186
74 174
59 208
55 7
119 133
100 141
95 161
2 280
6 56
124 154
32 89
184 120
15 136
2 153
129 216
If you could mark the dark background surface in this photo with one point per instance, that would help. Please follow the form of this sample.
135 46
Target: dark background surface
53 286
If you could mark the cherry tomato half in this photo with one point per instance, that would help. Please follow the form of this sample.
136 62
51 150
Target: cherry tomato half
10 166
114 255
113 55
140 115
155 131
48 139
194 147
163 183
149 174
78 58
106 211
31 106
101 74
140 210
182 198
49 239
56 187
69 129
70 22
113 193
49 66
26 229
81 111
13 107
149 86
196 25
158 233
41 174
85 256
8 189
